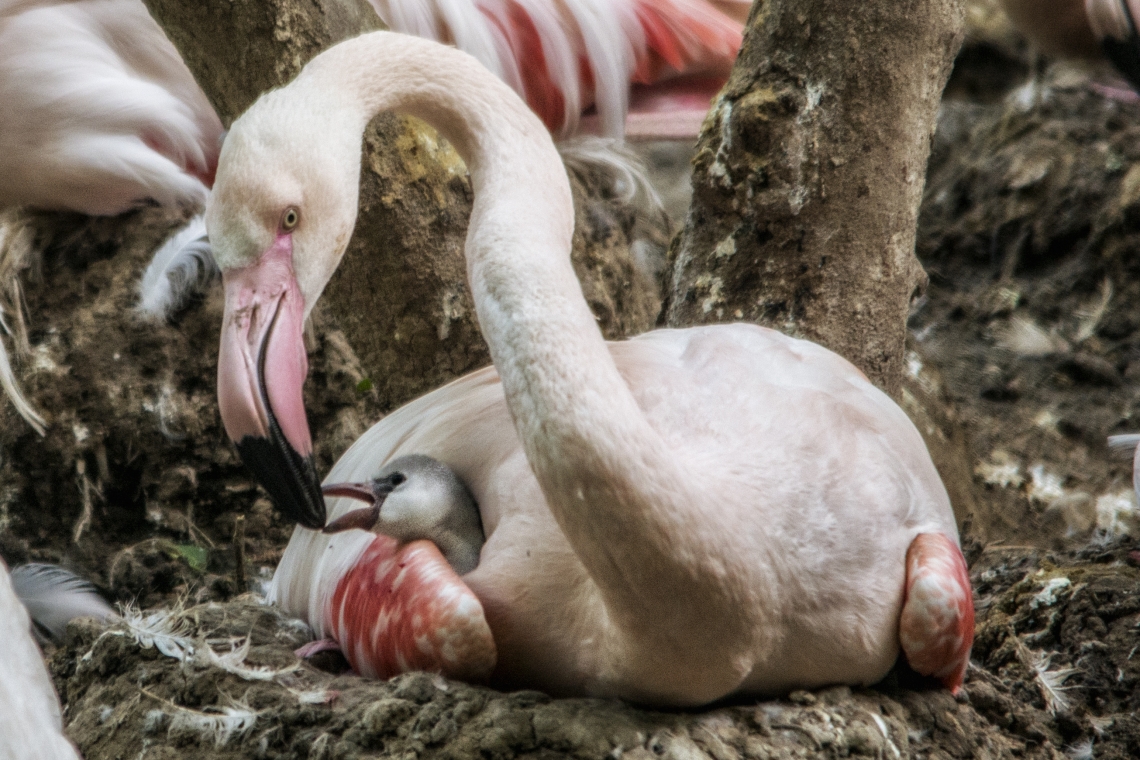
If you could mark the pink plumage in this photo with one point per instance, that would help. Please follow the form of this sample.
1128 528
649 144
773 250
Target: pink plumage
566 58
403 608
937 625
683 37
100 114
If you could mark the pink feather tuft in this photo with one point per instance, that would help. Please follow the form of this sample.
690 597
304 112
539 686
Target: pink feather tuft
570 56
937 624
685 37
402 608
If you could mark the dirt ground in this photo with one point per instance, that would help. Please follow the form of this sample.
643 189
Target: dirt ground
1027 342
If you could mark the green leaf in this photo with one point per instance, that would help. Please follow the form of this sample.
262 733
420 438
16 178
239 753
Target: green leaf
364 385
195 556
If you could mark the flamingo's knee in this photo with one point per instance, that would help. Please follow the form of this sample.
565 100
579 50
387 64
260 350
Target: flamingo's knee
937 625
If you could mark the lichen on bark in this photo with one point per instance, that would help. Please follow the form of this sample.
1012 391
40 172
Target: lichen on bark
808 175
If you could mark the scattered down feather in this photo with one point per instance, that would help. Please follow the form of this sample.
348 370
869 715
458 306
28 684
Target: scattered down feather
181 267
54 597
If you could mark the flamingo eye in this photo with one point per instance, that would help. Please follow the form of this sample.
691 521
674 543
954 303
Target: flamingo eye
290 219
396 478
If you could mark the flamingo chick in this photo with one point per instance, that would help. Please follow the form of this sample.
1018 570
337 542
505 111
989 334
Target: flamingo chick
416 498
421 505
672 519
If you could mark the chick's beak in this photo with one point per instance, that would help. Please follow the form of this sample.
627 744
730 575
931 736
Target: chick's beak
362 519
261 368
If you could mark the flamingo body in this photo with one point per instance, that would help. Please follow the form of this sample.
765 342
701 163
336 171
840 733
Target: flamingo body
672 519
31 724
834 547
100 113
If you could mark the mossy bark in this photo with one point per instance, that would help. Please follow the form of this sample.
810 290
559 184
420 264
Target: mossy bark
400 294
809 172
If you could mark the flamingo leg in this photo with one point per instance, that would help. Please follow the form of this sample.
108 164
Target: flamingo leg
316 647
937 624
402 608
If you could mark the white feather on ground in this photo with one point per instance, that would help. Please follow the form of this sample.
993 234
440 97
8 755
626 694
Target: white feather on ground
233 662
165 630
1051 682
181 267
54 596
232 720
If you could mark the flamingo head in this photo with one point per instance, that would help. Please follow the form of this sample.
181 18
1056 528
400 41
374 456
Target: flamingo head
412 498
281 214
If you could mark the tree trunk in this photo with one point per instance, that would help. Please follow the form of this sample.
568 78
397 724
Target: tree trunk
400 294
809 172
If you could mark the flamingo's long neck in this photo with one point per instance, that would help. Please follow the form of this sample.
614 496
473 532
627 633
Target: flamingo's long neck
613 486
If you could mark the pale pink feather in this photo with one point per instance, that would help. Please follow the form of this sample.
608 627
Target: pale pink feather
100 114
566 57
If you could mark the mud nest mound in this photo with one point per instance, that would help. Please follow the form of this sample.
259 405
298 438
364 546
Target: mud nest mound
220 680
1025 355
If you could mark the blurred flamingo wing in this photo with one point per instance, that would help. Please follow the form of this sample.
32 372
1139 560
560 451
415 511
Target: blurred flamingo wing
564 56
684 37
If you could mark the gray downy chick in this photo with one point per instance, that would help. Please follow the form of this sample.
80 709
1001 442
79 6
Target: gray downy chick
416 497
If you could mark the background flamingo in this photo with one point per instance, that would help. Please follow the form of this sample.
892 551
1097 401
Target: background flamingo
672 519
101 115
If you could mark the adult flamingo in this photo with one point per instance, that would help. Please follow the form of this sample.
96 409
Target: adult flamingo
672 519
101 115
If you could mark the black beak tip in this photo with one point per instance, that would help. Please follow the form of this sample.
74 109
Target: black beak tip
290 479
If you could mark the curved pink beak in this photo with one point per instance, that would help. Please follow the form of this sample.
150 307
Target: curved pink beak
261 368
